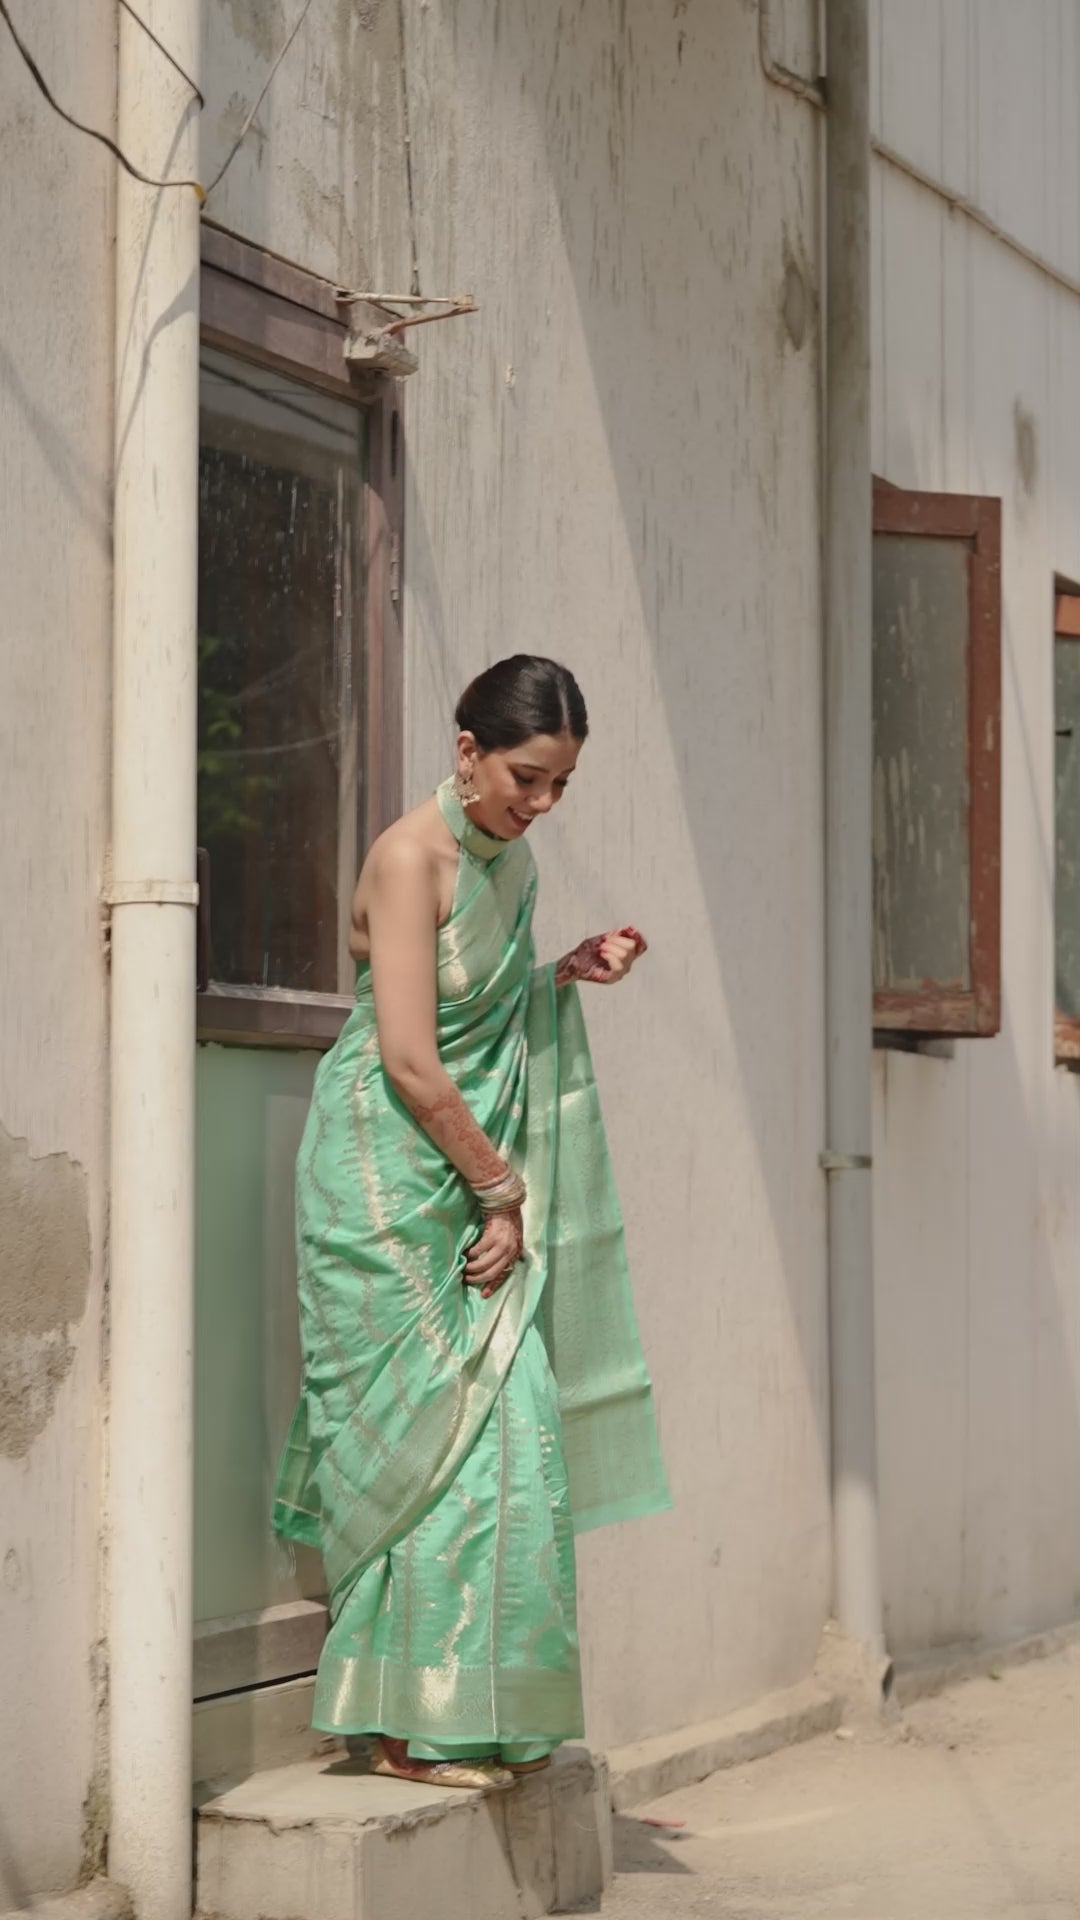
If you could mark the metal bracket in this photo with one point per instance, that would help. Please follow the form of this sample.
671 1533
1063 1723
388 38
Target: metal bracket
152 893
845 1162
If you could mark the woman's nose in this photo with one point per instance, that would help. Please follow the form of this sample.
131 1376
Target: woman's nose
543 803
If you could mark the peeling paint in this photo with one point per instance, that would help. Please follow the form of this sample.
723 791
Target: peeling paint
45 1236
95 1830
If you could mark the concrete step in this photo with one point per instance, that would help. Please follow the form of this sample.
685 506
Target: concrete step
248 1732
326 1840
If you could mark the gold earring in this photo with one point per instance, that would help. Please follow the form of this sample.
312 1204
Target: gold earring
465 788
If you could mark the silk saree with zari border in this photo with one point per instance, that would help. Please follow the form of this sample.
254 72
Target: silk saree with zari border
447 1448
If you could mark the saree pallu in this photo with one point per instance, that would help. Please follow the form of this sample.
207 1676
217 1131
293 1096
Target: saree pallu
446 1448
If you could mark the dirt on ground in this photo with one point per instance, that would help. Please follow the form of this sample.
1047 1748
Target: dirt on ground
962 1807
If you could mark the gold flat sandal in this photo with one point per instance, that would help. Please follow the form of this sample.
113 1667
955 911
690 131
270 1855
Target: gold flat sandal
482 1776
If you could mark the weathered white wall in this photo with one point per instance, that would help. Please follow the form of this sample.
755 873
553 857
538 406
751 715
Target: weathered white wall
56 434
320 177
615 461
977 389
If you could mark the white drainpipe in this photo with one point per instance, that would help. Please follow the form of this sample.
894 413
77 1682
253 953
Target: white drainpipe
848 755
153 896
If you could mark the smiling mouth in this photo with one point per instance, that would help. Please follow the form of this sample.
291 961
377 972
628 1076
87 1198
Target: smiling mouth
523 819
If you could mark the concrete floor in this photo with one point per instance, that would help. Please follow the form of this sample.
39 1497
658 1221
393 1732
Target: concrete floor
966 1807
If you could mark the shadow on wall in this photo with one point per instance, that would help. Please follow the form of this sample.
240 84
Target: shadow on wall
233 1451
732 637
977 1214
16 1896
73 474
649 255
683 198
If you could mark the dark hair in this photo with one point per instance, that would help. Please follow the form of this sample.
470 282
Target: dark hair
518 698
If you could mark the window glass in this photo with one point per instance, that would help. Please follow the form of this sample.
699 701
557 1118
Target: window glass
281 473
1067 826
922 871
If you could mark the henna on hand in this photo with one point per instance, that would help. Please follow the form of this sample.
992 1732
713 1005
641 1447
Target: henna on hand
448 1118
587 962
494 1255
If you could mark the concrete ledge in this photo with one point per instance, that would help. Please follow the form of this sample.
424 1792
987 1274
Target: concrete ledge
240 1734
252 1649
101 1900
650 1768
326 1840
844 1687
918 1676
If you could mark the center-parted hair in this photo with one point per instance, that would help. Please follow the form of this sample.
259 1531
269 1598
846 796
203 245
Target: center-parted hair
520 697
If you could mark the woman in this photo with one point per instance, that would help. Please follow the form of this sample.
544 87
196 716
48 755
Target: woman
474 1391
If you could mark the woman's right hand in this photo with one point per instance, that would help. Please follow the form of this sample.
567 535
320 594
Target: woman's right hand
605 958
492 1258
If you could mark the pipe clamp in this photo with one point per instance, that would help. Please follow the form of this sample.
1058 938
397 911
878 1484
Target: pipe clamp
153 893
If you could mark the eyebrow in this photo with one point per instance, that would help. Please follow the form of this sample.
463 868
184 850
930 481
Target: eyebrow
530 766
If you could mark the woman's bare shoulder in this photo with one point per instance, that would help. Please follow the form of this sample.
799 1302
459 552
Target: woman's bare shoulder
409 863
410 849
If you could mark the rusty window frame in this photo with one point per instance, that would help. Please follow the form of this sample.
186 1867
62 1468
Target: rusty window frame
270 313
1066 633
939 1009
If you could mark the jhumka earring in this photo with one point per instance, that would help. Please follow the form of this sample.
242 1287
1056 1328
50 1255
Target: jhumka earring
465 788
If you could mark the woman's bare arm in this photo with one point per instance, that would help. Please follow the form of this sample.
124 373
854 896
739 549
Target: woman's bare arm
402 911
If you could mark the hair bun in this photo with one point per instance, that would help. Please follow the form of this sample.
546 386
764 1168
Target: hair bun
518 698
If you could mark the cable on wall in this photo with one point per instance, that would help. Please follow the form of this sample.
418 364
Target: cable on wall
105 140
163 49
80 126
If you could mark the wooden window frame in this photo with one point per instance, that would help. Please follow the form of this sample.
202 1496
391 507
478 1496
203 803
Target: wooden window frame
273 314
933 1011
1066 632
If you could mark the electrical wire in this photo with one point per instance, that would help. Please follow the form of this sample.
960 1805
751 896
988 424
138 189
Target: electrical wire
106 140
163 49
407 139
246 128
92 133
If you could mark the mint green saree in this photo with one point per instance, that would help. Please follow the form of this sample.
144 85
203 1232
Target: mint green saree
446 1448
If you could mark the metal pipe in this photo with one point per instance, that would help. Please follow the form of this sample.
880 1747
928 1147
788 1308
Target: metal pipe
814 93
959 203
848 899
781 76
152 896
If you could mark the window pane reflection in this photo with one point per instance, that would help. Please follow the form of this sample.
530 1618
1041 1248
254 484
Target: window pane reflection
280 578
1067 825
922 866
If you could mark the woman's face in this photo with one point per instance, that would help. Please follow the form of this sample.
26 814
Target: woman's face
515 784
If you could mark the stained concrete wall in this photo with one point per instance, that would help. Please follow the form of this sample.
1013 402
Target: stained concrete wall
618 464
56 200
977 1191
615 461
251 1105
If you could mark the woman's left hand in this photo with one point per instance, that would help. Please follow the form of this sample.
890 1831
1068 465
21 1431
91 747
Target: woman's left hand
492 1258
604 959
